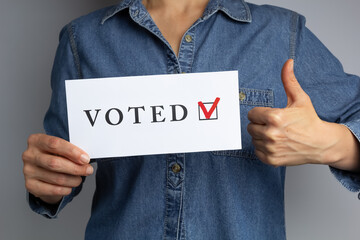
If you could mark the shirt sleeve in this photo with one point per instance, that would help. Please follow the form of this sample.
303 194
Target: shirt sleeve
334 93
66 66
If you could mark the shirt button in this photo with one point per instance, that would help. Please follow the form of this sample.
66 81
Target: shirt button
242 96
188 38
176 168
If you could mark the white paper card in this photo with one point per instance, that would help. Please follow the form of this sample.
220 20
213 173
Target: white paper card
177 113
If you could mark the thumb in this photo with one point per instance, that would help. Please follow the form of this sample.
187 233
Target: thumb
295 94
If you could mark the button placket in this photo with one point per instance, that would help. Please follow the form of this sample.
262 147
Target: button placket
174 196
175 172
186 51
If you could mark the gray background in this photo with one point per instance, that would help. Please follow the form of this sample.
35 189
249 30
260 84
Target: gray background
317 207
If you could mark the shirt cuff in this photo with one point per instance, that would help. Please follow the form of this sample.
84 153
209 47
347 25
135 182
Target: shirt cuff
45 209
350 180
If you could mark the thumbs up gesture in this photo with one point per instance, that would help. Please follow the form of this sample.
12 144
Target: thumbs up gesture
295 134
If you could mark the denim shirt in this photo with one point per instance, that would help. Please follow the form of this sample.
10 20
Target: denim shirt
207 195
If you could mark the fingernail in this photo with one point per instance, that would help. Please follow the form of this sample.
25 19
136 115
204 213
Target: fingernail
89 170
85 158
292 63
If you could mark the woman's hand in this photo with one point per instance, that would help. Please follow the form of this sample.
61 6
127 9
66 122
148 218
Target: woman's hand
53 166
296 135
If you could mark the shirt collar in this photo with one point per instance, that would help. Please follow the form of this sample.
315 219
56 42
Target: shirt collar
235 9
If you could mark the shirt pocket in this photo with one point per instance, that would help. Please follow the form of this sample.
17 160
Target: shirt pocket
249 98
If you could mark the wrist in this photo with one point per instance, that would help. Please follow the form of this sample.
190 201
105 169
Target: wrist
343 149
52 200
43 207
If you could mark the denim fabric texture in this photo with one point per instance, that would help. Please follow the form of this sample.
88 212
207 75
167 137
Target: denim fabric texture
215 195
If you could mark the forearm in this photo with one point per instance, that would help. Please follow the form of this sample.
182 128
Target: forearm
344 149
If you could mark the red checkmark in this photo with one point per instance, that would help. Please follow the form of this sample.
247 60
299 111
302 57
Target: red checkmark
212 109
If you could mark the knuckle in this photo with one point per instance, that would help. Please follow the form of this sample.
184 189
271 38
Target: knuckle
271 135
32 139
26 156
275 117
29 185
249 128
61 180
27 170
53 142
271 149
37 158
53 163
252 113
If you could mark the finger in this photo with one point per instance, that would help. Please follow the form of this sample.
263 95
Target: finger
59 147
270 135
273 117
259 145
258 115
43 189
264 157
261 156
256 131
62 165
270 156
295 94
270 149
59 179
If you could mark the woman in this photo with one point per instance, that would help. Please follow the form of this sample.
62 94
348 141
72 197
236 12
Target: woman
212 195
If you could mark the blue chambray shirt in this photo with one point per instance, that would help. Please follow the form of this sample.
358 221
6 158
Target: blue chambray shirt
213 195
